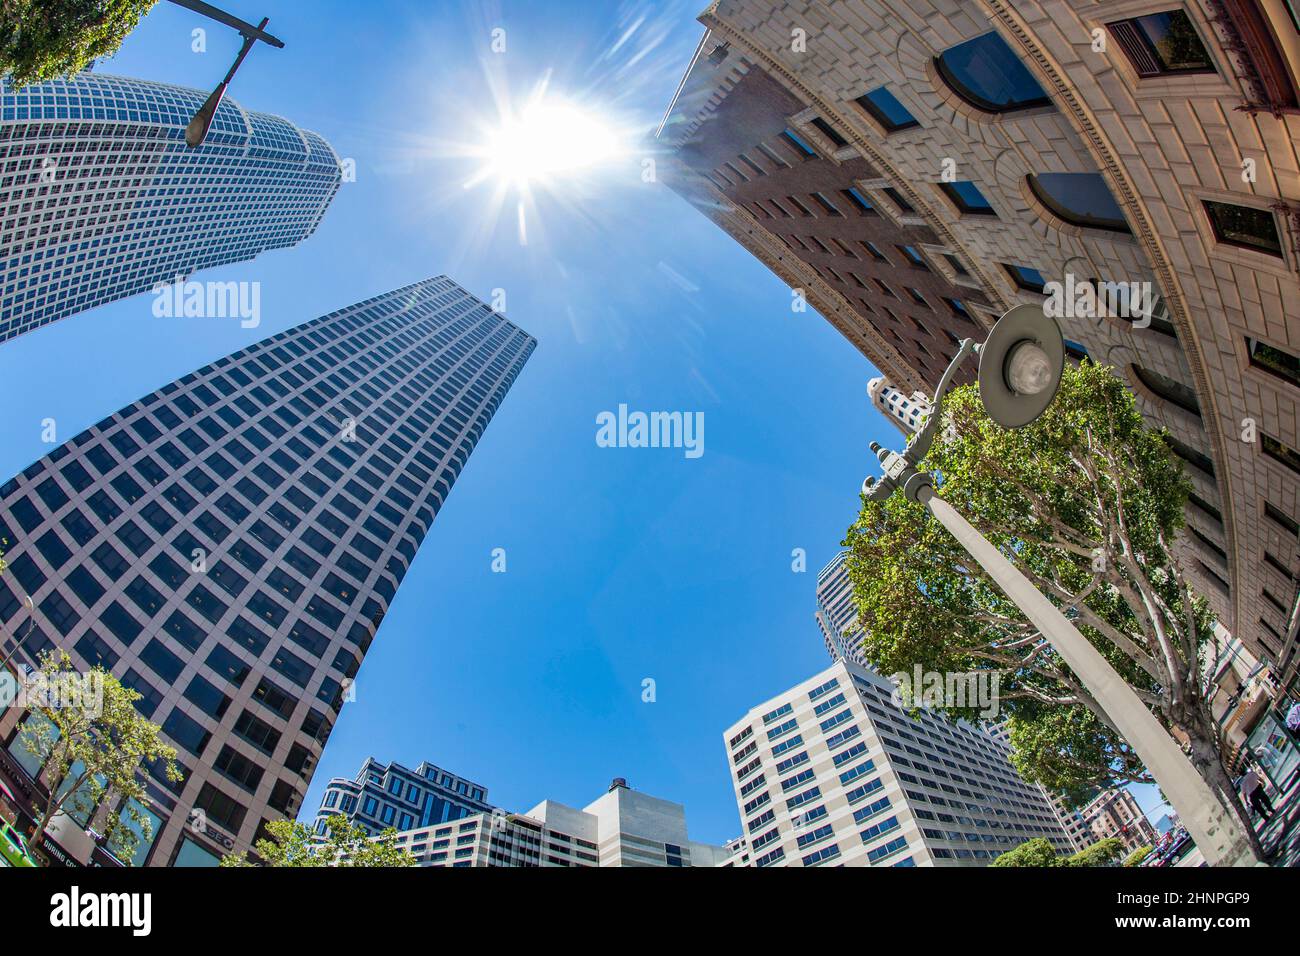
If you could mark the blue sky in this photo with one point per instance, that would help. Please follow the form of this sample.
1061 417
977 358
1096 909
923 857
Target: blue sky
622 564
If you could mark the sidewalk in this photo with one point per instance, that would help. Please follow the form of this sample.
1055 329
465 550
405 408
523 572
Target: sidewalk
1281 834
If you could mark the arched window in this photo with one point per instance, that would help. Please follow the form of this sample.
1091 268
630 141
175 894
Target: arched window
1171 390
988 75
1082 199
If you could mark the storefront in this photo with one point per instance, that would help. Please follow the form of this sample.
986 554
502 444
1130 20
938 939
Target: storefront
1274 747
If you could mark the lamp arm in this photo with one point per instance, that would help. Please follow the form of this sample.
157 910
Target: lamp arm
925 437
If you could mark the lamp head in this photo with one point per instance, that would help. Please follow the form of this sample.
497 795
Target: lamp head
1021 365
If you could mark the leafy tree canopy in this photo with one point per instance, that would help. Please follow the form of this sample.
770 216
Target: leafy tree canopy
1087 502
94 746
1039 853
44 39
296 844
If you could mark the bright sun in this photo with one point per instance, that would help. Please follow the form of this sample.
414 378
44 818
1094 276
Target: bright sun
545 141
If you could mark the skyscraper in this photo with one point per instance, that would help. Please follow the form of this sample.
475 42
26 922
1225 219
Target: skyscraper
837 614
832 772
100 198
229 544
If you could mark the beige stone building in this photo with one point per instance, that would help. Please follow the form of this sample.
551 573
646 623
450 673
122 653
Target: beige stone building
1134 162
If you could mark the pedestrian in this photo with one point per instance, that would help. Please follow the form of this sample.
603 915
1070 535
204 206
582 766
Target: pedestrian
1252 789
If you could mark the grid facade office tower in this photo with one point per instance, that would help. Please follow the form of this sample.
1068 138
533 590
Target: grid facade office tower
229 544
837 615
1162 173
831 772
100 198
624 827
390 795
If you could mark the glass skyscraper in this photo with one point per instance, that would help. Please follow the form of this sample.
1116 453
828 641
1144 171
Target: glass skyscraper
101 199
229 544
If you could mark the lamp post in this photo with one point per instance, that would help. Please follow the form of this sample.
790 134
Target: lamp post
1020 371
197 130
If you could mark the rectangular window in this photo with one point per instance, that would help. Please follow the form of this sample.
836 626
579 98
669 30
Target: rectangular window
884 107
1245 226
830 132
968 199
796 143
1161 44
1271 359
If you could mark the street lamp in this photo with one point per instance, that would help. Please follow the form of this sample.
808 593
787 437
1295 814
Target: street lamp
197 130
1020 371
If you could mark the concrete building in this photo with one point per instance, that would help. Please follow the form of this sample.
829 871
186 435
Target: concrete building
837 614
907 413
832 772
621 828
1115 813
390 795
229 544
1133 165
101 199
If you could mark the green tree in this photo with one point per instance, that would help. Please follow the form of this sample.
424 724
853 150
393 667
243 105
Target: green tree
1039 853
296 844
44 39
1137 856
94 746
1087 502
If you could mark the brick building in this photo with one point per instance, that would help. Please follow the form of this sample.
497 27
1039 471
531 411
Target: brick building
1143 150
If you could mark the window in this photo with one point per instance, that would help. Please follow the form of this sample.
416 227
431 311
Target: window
1171 390
858 201
884 107
830 132
1081 199
802 149
1272 359
967 198
1031 280
988 75
826 204
873 250
1244 226
897 199
913 257
1161 44
1280 452
1196 459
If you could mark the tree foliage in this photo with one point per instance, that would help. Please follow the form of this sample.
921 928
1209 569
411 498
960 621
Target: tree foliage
1039 853
93 749
1087 502
44 39
1137 856
296 844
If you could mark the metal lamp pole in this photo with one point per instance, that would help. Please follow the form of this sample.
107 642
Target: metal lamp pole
197 130
1021 366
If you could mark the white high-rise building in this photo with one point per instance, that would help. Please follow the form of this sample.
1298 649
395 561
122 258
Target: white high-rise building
832 772
837 614
100 198
905 412
624 827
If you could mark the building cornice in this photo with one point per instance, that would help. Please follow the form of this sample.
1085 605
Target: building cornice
776 69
